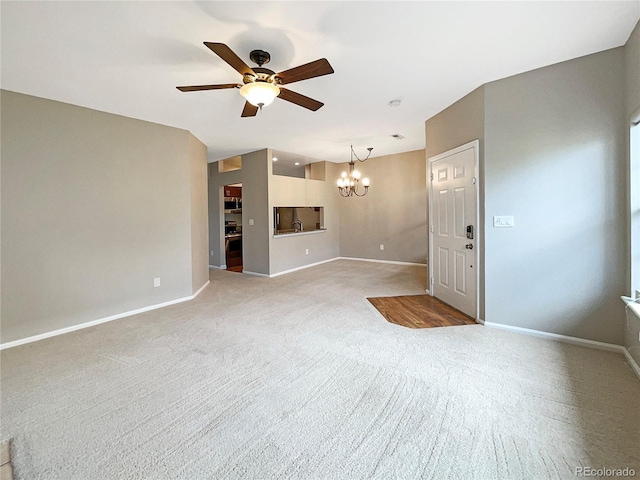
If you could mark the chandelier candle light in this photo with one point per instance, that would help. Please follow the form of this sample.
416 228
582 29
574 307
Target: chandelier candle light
348 183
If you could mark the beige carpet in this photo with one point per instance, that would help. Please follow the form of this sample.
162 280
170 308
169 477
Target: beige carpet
299 377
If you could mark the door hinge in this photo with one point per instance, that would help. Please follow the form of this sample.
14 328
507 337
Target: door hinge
431 177
474 180
431 280
431 228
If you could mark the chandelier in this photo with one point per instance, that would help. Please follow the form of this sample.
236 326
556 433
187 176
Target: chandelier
349 183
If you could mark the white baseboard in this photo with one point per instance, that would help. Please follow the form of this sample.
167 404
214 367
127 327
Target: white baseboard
632 362
611 347
284 272
92 323
392 262
200 290
221 267
254 274
291 270
556 336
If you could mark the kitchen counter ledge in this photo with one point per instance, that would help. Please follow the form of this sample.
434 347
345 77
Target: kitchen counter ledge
292 233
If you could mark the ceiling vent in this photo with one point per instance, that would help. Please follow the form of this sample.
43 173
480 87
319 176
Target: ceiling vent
397 136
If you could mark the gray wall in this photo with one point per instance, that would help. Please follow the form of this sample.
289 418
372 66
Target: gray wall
554 159
199 214
458 124
255 205
94 206
393 213
551 155
288 252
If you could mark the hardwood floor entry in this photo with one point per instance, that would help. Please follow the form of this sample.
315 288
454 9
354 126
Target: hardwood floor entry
419 311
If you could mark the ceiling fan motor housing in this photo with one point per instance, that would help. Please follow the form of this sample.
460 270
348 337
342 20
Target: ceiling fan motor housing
260 57
261 75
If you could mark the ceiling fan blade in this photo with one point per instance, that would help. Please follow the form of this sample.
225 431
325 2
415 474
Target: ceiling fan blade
303 72
195 88
249 110
226 54
299 99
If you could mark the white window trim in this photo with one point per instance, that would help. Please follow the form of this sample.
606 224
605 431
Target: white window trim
634 201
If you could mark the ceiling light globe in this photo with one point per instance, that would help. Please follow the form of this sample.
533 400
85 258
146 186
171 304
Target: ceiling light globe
365 182
355 174
259 94
344 175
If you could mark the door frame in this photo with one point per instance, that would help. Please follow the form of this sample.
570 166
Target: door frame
474 144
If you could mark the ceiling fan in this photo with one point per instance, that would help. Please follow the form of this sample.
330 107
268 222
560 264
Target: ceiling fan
262 85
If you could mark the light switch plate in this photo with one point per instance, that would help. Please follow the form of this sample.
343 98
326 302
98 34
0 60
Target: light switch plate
503 221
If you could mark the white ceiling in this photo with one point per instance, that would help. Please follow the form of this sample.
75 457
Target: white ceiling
128 57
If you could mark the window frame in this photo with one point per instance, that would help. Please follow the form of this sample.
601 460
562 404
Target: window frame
634 203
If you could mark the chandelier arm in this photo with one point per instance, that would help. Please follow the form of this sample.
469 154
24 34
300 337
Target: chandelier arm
354 154
343 192
366 189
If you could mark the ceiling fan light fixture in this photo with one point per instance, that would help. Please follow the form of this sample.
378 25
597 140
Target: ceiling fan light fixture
259 94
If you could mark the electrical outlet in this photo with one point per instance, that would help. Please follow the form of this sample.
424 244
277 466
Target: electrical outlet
212 253
306 251
381 247
251 221
156 282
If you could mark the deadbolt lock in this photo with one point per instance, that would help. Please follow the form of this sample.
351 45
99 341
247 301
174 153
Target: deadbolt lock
469 246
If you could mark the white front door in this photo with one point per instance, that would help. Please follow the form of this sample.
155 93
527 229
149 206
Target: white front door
454 227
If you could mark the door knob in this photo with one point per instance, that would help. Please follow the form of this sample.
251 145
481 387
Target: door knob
469 246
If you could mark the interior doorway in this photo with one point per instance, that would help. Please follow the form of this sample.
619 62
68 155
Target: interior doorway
454 227
233 227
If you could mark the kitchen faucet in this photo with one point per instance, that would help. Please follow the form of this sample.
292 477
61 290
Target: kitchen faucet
294 224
